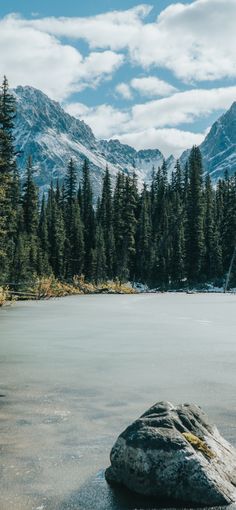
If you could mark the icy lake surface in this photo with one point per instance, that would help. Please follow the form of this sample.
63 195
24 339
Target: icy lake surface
76 371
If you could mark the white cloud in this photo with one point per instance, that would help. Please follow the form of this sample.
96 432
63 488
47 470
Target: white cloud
168 141
152 86
99 66
196 41
182 107
124 90
77 109
153 124
104 119
149 86
32 57
114 29
108 122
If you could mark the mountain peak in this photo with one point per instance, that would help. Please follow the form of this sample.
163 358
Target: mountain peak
219 147
34 96
233 108
28 89
52 137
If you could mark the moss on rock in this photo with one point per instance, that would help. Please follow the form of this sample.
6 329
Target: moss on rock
198 444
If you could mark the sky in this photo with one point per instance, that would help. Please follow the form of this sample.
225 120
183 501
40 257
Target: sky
153 75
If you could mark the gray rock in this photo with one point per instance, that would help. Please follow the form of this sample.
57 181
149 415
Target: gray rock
176 455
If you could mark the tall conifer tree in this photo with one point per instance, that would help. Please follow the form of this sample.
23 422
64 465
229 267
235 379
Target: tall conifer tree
195 227
106 221
87 213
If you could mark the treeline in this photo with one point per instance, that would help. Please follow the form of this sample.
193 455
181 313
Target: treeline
176 232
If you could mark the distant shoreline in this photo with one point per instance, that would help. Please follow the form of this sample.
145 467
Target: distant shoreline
9 300
49 287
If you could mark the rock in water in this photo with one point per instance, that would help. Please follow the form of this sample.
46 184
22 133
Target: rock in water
176 455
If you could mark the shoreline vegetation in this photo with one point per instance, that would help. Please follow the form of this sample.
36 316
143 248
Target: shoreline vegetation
50 287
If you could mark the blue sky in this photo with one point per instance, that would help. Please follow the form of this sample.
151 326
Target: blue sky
73 7
153 74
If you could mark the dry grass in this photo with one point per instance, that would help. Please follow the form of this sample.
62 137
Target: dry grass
4 296
118 288
48 287
109 287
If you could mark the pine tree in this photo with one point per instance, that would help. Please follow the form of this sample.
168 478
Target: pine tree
99 266
118 221
58 193
213 255
228 220
177 228
30 220
30 201
43 266
15 197
77 243
161 250
79 196
7 166
178 256
178 180
57 238
74 243
43 226
87 214
105 212
70 190
143 243
7 116
21 265
128 249
195 227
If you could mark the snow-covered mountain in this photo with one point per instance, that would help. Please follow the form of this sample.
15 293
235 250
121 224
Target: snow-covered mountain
219 147
52 136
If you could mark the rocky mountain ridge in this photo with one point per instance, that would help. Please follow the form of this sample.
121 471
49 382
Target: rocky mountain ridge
52 136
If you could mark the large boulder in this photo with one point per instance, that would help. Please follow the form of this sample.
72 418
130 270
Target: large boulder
176 455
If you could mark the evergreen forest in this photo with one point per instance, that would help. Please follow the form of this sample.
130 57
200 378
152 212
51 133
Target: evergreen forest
178 231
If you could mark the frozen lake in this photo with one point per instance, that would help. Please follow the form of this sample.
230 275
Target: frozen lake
76 371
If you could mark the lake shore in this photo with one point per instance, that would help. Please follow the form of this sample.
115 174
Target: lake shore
49 287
